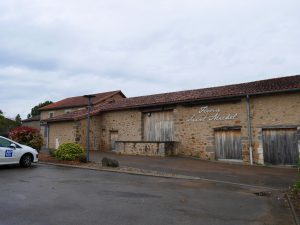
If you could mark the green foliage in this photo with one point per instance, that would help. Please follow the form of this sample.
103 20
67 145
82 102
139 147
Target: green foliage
6 124
35 110
27 136
18 120
52 152
69 151
296 186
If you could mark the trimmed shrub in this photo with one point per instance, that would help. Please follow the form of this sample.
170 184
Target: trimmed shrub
52 152
69 151
27 136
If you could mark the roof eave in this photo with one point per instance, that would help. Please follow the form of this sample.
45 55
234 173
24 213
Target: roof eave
225 98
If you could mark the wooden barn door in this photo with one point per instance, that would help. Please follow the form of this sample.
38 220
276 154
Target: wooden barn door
228 144
280 146
158 126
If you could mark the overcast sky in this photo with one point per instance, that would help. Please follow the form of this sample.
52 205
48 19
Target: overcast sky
53 49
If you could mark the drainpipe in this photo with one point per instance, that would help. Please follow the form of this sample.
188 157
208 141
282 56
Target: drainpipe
249 130
47 142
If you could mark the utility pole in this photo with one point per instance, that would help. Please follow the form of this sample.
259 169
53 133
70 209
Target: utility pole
89 97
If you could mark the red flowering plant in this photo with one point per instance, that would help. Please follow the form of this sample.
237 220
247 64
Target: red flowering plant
27 136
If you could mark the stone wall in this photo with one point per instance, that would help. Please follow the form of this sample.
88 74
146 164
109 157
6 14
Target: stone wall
45 115
78 128
194 127
33 124
81 135
60 133
56 112
280 110
127 124
146 148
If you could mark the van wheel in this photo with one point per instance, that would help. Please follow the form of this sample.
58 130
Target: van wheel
25 161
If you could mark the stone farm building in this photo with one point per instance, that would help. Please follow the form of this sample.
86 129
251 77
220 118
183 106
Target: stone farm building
256 122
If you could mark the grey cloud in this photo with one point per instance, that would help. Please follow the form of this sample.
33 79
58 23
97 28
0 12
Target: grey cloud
55 49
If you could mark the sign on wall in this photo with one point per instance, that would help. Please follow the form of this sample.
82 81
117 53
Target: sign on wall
211 114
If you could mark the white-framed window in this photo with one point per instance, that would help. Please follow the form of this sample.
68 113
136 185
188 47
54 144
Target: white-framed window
51 114
68 110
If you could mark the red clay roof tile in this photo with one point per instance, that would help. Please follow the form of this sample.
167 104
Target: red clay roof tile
79 101
252 88
281 84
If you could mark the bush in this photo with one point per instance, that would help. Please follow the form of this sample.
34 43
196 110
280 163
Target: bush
52 152
296 187
27 136
69 151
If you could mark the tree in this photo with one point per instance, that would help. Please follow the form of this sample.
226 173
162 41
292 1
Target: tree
1 115
18 120
6 124
27 136
35 110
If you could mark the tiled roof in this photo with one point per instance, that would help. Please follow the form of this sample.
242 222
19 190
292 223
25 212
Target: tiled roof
34 118
282 84
79 101
68 116
78 114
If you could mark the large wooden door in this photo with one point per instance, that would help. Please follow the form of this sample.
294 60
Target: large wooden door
158 126
280 146
228 144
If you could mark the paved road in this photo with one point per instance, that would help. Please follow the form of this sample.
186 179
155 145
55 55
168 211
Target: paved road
279 178
46 194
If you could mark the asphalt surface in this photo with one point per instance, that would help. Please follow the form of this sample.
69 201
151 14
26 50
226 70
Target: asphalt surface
45 194
273 177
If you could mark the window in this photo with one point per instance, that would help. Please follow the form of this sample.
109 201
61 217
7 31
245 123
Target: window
51 114
4 143
68 111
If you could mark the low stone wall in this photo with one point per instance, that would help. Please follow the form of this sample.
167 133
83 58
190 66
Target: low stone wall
147 148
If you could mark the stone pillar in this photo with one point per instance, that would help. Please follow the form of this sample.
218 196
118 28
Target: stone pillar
260 149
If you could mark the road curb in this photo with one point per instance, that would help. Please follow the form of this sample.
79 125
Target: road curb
164 175
295 217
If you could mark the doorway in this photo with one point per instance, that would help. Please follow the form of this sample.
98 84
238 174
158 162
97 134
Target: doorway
113 138
228 144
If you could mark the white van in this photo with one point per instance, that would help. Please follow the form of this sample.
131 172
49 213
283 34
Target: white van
12 152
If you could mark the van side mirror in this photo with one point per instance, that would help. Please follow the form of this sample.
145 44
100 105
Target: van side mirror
12 145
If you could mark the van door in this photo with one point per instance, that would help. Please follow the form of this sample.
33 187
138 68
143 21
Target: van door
7 154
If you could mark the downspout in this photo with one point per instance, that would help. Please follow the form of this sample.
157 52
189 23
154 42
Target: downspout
47 128
249 130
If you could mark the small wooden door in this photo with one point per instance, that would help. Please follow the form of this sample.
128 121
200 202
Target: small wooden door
113 139
158 126
228 144
280 146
